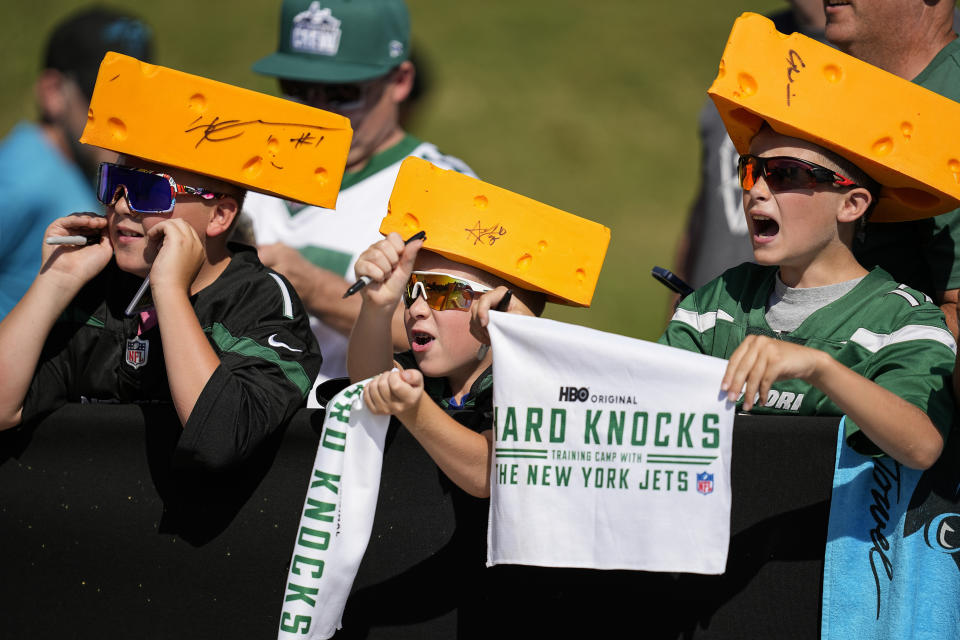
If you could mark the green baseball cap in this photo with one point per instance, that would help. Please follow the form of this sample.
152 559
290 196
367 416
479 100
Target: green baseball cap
339 41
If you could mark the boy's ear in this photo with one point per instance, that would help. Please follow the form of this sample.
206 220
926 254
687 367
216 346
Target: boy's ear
222 216
855 205
50 95
401 81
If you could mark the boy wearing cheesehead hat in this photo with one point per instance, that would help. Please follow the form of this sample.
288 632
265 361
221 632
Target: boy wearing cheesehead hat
807 327
217 333
350 57
480 239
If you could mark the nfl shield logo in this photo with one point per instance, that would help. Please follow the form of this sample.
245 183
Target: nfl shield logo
705 483
137 351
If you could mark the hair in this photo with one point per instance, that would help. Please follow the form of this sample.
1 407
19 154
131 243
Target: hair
850 170
535 300
78 43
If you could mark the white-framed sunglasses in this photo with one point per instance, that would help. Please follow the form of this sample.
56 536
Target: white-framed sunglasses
442 290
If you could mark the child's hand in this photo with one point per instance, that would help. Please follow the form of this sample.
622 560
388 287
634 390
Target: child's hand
480 311
78 264
388 263
176 252
760 361
394 393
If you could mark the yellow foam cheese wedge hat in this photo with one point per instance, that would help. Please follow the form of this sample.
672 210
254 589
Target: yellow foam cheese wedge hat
905 137
257 141
525 242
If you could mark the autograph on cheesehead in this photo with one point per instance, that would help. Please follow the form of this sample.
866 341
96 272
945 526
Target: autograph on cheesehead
488 235
792 59
218 130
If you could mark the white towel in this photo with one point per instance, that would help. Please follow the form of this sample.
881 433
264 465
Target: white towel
609 452
337 518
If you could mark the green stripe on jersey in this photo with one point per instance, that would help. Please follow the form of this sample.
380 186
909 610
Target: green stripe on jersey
252 349
75 315
329 259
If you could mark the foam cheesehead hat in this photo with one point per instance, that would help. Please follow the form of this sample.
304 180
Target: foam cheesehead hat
339 41
253 140
905 137
525 242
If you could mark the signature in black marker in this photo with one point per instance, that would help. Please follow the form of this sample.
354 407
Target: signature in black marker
303 139
215 130
793 58
886 476
489 234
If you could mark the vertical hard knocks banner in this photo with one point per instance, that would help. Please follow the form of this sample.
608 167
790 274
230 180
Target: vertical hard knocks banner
609 452
337 518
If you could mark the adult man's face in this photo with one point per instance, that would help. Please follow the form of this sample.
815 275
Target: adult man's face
372 107
858 23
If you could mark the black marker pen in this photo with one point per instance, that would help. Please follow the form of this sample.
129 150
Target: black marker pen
364 280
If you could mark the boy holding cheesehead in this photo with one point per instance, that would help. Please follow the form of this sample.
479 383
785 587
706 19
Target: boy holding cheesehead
480 239
218 334
807 327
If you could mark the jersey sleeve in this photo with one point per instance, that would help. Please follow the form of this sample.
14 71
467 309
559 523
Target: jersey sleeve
74 342
683 331
914 362
269 359
700 321
48 389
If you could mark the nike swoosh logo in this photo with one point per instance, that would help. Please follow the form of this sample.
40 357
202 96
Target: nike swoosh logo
273 342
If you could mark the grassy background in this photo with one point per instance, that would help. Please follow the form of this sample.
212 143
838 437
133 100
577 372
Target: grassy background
587 106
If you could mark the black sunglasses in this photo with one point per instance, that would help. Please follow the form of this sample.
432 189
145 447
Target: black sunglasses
783 173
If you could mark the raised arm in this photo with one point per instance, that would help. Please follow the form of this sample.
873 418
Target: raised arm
23 332
388 264
187 354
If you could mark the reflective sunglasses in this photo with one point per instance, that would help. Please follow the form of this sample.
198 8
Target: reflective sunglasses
335 97
783 173
442 291
146 191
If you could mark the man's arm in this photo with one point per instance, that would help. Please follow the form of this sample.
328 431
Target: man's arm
897 427
322 290
23 332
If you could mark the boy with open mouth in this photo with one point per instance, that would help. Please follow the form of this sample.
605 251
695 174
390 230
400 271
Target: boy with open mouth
436 464
807 330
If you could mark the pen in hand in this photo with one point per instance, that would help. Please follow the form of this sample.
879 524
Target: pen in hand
75 241
132 307
364 280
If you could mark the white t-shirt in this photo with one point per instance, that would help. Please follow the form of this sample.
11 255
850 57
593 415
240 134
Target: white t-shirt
333 239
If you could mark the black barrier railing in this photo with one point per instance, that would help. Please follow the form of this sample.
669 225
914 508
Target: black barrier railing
98 539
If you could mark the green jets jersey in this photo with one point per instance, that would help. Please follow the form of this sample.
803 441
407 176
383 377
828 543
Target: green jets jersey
886 332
